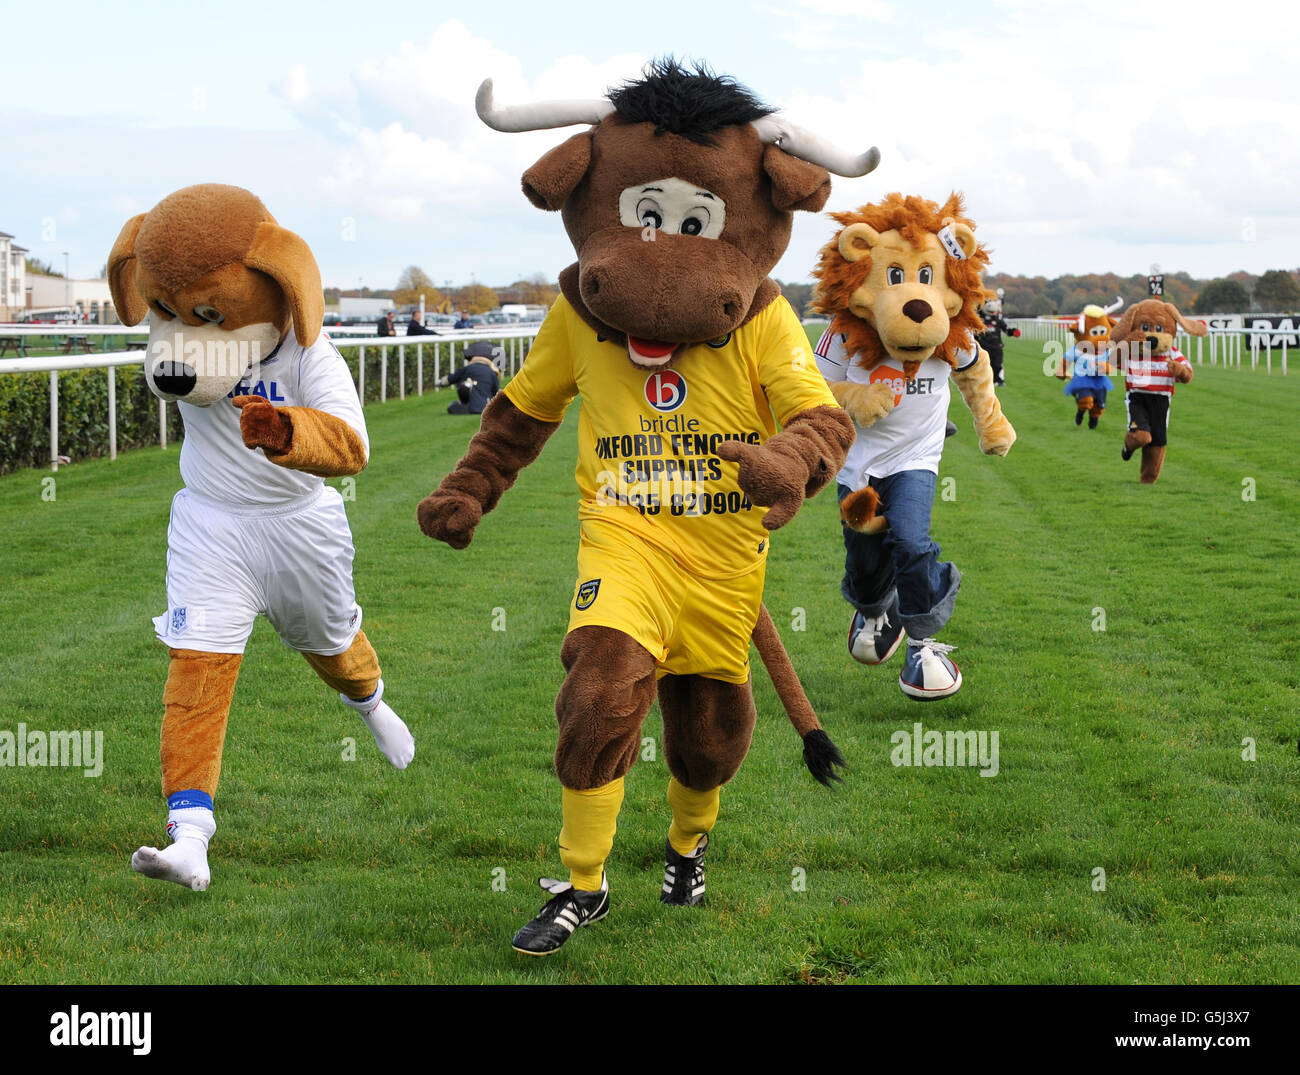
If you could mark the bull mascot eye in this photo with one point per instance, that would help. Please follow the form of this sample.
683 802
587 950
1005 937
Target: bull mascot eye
696 221
925 274
649 213
895 274
1097 330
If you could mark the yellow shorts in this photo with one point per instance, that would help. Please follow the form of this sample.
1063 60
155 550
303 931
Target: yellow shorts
692 626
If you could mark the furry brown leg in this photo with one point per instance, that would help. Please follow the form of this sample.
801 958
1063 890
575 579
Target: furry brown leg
1153 458
197 700
601 706
1135 439
707 728
354 672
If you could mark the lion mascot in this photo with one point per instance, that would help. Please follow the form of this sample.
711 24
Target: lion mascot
678 199
1087 363
1145 339
901 282
235 307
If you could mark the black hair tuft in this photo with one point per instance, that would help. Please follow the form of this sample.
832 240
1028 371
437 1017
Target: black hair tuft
686 102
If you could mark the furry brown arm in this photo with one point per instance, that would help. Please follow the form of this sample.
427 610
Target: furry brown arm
1181 371
795 464
976 385
301 438
507 441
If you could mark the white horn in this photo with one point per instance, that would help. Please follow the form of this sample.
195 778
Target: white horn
1119 301
807 146
1082 330
538 116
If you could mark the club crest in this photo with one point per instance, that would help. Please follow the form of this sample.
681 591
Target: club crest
178 620
587 592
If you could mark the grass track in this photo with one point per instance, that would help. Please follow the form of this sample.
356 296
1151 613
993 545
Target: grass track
1120 749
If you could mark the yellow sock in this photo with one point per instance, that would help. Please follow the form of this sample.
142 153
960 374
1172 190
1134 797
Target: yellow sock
590 820
694 814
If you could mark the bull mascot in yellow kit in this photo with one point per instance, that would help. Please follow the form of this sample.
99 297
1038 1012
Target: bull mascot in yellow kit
678 198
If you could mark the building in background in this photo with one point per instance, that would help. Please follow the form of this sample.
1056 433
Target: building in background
13 277
90 301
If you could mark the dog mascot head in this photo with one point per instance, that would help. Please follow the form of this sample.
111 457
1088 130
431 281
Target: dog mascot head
224 283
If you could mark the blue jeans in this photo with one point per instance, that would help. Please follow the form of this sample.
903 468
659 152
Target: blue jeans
900 566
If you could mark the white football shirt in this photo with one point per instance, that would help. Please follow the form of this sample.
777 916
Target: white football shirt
217 466
911 436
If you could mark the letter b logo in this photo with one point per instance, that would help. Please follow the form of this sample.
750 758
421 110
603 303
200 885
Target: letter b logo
665 391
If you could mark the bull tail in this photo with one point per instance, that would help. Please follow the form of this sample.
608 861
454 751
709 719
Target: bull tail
819 753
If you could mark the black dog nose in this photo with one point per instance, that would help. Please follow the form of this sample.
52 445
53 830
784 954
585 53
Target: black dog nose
174 378
917 310
1152 342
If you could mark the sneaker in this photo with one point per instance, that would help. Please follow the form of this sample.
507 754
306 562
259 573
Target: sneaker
1092 421
873 640
1126 453
684 876
950 429
1078 418
566 910
928 673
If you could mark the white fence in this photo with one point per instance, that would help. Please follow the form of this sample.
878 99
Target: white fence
1224 344
516 340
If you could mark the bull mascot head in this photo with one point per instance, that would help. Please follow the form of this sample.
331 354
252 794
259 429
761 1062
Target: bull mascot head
678 200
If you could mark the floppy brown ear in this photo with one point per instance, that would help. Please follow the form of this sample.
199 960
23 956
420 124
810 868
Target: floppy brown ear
549 182
1192 328
1124 325
796 184
287 260
131 308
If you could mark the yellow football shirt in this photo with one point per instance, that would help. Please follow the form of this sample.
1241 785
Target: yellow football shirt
648 440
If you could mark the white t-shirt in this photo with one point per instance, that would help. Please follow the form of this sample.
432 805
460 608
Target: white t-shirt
217 466
911 436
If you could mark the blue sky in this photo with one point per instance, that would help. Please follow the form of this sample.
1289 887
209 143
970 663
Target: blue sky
1087 138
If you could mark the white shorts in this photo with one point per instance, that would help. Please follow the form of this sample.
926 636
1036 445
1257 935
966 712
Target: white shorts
293 564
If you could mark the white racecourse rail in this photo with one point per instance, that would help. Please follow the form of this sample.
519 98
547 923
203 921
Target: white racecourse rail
1225 343
516 338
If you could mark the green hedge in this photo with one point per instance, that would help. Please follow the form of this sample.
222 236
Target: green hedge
83 415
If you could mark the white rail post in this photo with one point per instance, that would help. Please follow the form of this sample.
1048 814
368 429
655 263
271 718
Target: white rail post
401 371
437 359
54 419
1284 356
361 373
162 423
383 374
112 412
419 369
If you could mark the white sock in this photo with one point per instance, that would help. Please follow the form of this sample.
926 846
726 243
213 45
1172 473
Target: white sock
186 860
390 731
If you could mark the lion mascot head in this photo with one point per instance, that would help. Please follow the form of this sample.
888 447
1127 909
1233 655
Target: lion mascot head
903 278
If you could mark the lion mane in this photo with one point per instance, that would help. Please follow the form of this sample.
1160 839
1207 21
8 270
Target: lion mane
910 216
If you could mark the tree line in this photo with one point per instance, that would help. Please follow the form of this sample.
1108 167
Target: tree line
1275 291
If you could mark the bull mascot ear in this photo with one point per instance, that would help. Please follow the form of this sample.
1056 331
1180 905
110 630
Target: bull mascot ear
549 182
796 184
